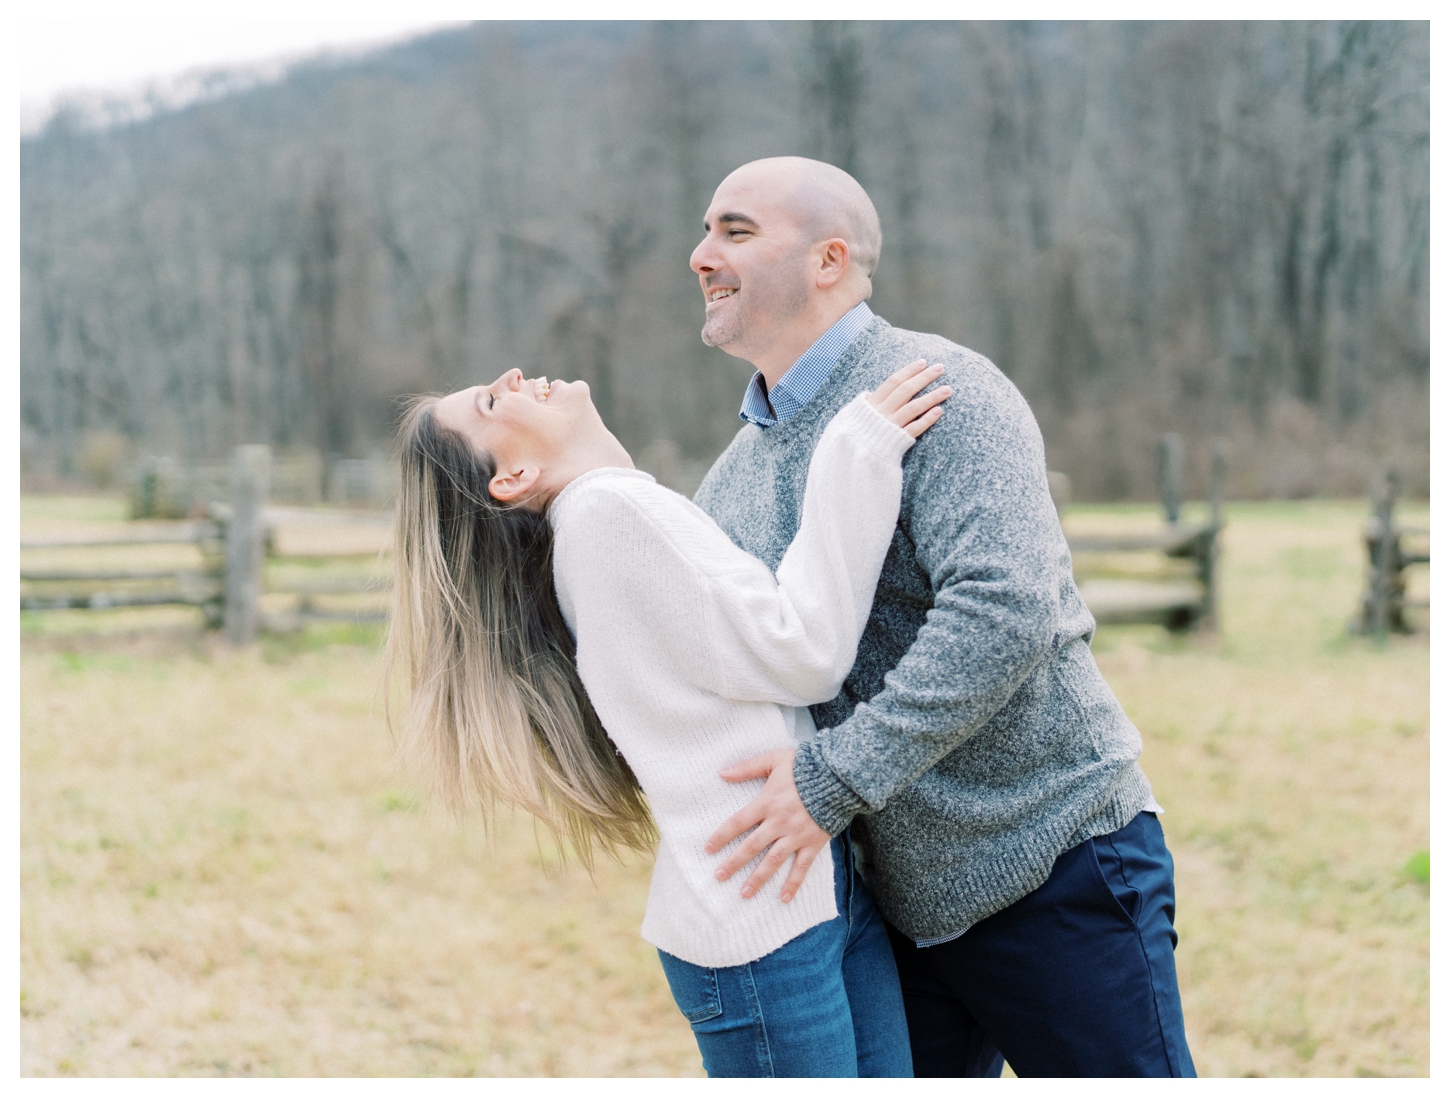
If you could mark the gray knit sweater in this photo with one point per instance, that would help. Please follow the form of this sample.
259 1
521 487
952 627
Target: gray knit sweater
974 740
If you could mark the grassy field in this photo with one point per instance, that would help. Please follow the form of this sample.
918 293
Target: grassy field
219 875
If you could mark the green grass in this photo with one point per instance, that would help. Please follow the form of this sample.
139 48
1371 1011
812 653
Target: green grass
1417 868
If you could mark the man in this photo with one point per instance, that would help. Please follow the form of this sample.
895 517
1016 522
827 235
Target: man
984 767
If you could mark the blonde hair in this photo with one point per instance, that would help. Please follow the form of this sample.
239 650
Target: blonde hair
496 712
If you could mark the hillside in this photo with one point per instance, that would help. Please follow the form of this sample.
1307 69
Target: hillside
1219 229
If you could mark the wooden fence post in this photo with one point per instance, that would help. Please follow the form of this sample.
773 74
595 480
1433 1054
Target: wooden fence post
1383 604
1208 556
246 541
1170 475
1383 552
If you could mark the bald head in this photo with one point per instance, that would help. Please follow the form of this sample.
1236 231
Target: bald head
823 200
790 246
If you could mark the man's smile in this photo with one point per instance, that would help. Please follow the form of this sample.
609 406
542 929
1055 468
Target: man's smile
720 292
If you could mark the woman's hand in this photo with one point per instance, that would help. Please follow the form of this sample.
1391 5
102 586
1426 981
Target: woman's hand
896 398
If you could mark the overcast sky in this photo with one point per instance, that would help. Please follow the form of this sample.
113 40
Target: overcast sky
82 49
111 56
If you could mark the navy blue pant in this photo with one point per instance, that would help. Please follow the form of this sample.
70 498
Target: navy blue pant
1074 979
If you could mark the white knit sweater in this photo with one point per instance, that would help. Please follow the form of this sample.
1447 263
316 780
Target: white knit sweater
696 657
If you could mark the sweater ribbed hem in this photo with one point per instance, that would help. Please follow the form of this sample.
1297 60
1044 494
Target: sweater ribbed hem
722 946
927 908
1129 796
739 930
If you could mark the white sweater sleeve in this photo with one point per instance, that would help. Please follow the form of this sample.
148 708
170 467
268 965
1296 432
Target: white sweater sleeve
628 560
793 640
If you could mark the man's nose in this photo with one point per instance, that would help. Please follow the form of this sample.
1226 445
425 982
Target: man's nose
701 259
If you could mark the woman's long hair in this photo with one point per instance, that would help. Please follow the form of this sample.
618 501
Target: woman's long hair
496 711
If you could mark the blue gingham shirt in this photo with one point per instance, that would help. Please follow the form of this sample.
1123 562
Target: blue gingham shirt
796 387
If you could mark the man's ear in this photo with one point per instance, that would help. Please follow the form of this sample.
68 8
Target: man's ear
835 260
513 485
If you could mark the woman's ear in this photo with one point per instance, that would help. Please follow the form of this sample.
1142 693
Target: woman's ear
513 485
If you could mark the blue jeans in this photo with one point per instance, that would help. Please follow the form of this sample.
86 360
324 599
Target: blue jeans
1074 979
827 1004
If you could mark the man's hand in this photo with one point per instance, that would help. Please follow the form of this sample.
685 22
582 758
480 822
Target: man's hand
781 823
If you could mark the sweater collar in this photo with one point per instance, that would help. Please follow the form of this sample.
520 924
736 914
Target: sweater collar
571 489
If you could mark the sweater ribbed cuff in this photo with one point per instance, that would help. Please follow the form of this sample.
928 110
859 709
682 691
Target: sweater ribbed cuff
830 801
866 423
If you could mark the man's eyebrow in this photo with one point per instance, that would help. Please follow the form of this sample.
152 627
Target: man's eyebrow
736 219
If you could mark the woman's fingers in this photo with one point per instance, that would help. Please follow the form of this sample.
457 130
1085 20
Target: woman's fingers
897 391
889 395
803 859
922 412
907 389
765 870
888 386
917 427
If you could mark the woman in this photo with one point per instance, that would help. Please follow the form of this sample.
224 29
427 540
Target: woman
547 591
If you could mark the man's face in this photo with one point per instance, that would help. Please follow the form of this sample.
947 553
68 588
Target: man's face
753 265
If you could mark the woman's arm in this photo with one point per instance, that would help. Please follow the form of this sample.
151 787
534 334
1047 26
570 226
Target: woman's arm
725 622
794 640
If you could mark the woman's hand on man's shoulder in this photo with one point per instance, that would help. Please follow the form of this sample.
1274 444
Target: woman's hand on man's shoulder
900 400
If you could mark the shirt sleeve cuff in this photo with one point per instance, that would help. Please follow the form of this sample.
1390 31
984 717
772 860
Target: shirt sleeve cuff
830 801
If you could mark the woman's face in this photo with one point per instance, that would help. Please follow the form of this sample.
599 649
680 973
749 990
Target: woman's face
521 424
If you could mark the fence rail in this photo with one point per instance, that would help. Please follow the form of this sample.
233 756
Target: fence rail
150 533
235 542
240 536
1177 605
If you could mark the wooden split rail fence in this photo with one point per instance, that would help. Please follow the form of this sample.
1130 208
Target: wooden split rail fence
235 543
1176 604
1383 604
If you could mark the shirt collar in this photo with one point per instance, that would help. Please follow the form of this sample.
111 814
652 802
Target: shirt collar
801 382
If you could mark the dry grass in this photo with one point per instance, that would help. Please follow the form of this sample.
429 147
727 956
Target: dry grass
219 876
1293 762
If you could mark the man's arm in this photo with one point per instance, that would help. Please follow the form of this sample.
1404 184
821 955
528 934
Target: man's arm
979 515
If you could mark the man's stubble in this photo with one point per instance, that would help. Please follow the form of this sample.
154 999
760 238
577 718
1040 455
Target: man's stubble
763 307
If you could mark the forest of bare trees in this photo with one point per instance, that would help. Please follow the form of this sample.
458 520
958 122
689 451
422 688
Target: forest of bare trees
1219 229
